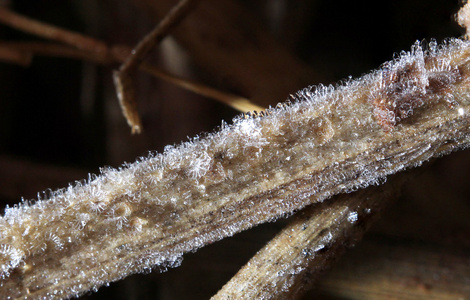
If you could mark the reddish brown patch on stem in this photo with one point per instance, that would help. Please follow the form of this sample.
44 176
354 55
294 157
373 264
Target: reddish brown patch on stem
406 87
401 91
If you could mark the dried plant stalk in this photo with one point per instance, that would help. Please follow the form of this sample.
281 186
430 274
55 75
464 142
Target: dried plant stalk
123 78
288 265
236 102
78 40
12 55
115 54
98 52
219 31
330 140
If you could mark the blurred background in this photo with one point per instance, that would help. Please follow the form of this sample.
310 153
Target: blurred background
60 120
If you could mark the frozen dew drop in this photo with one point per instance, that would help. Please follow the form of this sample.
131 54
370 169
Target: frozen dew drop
433 46
352 217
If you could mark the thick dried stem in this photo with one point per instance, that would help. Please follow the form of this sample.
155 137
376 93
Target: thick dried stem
149 213
288 265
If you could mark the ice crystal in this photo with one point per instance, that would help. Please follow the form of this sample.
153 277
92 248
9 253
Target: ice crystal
12 258
352 217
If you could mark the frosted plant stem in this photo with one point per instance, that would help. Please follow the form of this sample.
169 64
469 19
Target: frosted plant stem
289 264
329 140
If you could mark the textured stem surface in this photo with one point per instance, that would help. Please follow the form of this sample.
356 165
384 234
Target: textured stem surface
288 265
330 140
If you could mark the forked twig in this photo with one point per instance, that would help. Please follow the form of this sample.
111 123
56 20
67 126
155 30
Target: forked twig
117 54
98 52
123 77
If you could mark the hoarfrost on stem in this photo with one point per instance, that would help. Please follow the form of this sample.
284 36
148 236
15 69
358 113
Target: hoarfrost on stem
327 140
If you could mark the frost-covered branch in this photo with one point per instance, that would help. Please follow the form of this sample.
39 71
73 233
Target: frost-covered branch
327 141
291 262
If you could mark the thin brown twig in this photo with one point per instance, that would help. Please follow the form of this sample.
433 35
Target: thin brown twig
11 55
123 78
44 30
237 102
97 51
58 50
172 19
117 54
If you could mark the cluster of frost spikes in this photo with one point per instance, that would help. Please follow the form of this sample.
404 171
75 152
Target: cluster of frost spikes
12 256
